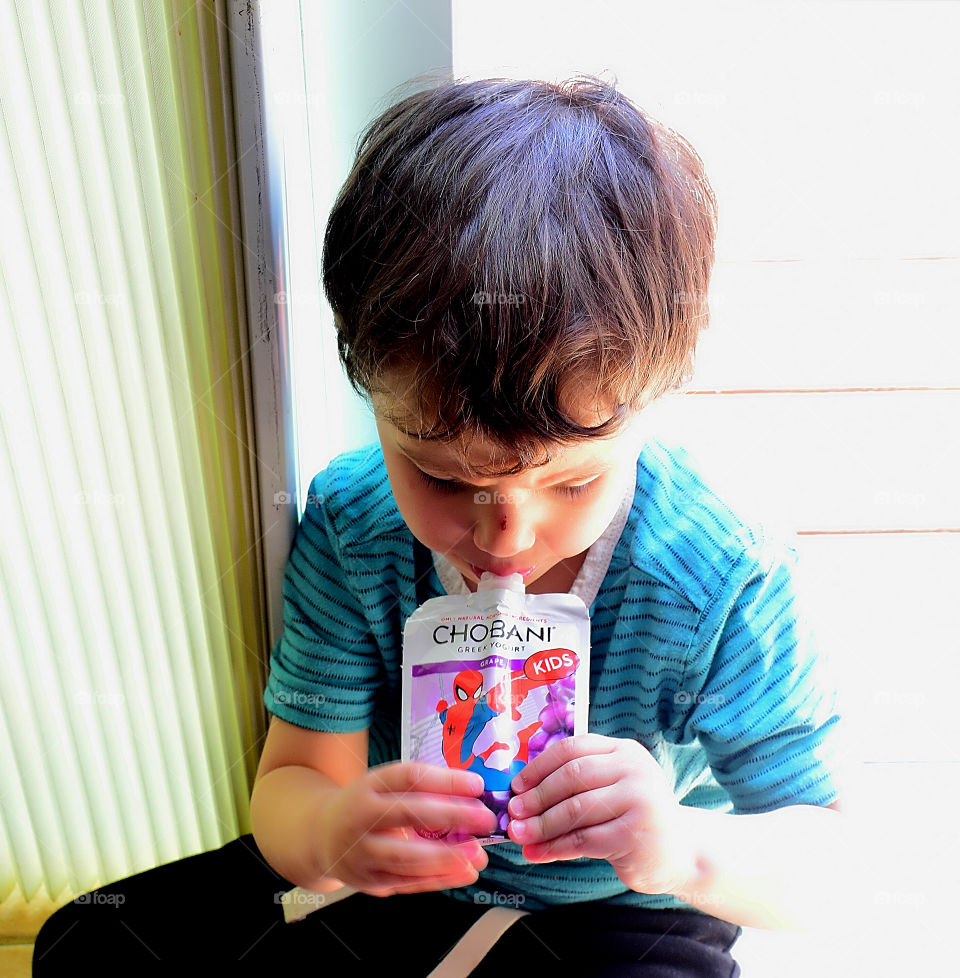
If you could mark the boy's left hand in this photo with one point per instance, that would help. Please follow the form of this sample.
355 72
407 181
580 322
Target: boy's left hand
605 798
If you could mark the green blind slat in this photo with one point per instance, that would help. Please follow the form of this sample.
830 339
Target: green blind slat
131 599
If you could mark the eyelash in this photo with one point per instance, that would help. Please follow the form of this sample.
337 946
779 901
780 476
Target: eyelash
449 486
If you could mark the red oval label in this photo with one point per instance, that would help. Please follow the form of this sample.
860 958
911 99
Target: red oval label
549 665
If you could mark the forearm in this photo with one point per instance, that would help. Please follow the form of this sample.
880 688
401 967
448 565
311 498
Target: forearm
786 869
284 809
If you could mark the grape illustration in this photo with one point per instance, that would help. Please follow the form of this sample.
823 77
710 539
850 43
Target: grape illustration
496 801
556 716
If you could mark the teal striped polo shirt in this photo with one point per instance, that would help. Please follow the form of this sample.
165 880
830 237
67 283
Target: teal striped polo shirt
698 651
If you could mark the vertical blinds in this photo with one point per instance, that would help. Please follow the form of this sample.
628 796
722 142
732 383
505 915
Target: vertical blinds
131 601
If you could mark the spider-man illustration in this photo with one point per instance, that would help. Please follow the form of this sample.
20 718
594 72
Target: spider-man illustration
465 719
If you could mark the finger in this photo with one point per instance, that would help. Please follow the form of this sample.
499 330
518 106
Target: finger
592 842
382 854
589 808
416 857
400 776
397 862
432 812
558 754
583 773
389 885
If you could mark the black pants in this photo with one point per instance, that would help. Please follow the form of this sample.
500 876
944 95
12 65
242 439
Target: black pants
222 909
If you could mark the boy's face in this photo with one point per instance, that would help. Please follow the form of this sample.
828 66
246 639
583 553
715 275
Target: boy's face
540 521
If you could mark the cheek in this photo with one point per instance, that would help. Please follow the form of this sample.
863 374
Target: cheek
573 533
582 529
407 494
431 517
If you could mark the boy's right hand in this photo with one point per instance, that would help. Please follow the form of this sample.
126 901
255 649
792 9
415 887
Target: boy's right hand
367 835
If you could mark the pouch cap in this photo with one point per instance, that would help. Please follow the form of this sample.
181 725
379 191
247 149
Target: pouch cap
512 582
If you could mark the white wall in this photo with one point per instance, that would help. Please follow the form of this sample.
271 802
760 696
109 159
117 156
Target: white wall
826 400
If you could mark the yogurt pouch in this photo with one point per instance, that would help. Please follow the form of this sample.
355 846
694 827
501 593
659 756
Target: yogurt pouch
491 679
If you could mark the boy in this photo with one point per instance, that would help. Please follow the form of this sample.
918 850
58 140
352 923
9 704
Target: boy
518 269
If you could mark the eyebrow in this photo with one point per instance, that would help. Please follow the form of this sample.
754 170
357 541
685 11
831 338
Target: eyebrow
591 466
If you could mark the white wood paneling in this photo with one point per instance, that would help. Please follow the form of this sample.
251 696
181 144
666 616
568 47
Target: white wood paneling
828 324
828 133
884 611
903 906
828 129
838 461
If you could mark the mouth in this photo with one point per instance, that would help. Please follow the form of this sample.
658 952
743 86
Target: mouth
525 572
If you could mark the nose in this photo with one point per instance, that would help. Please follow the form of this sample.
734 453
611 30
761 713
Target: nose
506 524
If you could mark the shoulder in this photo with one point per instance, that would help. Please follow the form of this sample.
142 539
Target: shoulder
352 542
682 534
353 492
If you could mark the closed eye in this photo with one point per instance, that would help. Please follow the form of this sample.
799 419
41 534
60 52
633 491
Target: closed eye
574 491
451 485
441 485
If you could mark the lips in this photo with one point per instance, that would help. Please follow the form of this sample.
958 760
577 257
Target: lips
502 572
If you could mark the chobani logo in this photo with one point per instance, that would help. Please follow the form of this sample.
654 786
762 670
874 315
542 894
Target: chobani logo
480 631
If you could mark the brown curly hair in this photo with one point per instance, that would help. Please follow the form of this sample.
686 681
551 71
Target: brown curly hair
499 242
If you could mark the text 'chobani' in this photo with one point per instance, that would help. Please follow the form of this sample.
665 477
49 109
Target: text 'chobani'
481 631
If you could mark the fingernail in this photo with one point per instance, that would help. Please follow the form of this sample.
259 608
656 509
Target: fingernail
519 828
515 806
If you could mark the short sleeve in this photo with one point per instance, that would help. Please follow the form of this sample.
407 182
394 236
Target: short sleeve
758 695
326 668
